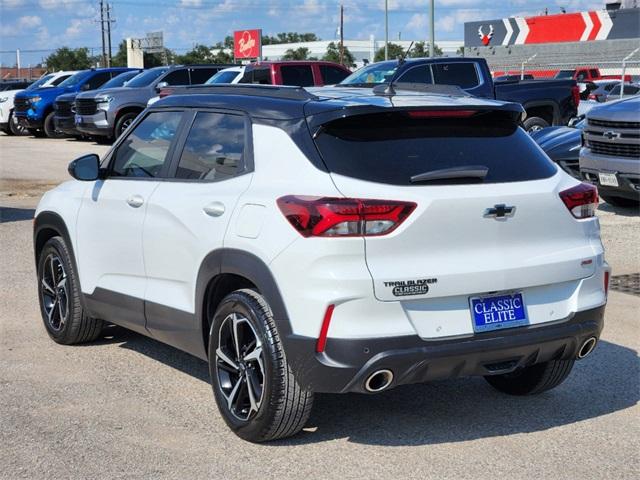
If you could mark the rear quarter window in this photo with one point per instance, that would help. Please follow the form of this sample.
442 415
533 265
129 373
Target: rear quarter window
297 75
390 148
464 75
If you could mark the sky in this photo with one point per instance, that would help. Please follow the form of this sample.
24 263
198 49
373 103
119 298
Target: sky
36 27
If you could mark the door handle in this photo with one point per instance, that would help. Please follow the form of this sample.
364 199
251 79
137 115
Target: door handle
135 201
214 209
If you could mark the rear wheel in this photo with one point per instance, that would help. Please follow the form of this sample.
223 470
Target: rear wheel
533 124
534 379
64 318
49 127
254 387
620 201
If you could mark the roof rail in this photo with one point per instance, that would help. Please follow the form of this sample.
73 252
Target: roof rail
451 90
250 89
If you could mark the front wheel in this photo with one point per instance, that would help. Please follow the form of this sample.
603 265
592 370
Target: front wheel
15 128
49 127
124 122
534 124
533 379
254 387
64 318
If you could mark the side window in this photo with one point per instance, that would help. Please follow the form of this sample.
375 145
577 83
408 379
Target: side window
593 73
419 74
463 75
144 150
298 75
332 75
201 75
214 148
59 80
97 80
177 77
258 75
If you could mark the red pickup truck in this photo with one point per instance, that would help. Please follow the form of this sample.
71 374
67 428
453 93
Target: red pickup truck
298 73
588 74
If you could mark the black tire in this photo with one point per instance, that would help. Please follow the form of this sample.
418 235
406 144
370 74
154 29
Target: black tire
123 122
283 407
534 124
36 132
73 325
534 379
621 201
50 128
15 128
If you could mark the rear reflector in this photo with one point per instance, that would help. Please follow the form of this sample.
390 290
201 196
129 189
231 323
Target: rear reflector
581 200
441 113
165 92
324 330
606 282
575 91
343 217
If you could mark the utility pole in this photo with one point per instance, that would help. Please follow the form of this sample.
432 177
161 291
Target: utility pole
341 34
386 29
104 50
109 34
18 63
432 33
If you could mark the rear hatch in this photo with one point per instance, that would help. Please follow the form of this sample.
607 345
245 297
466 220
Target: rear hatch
488 215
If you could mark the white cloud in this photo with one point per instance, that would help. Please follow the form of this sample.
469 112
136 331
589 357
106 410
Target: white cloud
12 3
18 27
75 28
190 3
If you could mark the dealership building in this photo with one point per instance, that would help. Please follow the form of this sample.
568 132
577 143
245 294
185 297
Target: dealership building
602 38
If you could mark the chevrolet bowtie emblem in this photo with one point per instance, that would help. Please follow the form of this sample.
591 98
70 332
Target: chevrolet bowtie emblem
500 211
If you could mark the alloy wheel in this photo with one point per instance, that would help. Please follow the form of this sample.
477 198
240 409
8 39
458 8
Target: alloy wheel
53 289
240 366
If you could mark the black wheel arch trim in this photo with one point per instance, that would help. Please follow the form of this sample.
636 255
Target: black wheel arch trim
557 117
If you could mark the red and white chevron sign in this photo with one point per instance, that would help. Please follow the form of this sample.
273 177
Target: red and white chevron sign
570 27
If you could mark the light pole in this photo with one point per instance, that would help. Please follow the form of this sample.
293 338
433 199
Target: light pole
386 29
432 34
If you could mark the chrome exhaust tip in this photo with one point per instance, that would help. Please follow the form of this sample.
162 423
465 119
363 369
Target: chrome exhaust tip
378 381
587 347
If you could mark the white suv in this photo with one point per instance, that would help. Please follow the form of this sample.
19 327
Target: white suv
328 240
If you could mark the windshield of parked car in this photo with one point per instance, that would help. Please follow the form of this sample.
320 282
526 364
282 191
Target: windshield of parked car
223 76
564 74
119 81
374 73
41 81
75 79
146 78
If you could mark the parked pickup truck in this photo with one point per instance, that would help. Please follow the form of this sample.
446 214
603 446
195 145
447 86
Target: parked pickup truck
34 108
108 113
297 73
64 106
547 102
588 74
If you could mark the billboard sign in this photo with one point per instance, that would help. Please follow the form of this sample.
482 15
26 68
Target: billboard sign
247 44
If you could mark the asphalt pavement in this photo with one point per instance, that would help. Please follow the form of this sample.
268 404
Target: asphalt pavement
129 407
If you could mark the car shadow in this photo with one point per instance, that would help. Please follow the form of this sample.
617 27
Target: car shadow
622 211
10 214
448 411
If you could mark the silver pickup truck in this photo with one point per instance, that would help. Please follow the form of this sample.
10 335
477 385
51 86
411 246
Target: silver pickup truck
610 157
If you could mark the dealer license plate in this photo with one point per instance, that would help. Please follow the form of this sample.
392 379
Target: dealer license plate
608 179
498 312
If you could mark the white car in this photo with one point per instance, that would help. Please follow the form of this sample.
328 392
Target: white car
231 75
328 240
7 123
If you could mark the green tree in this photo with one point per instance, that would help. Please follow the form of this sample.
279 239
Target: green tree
198 54
301 53
333 55
120 58
289 37
460 51
395 51
65 58
421 49
158 59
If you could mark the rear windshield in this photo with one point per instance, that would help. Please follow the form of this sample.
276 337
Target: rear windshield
393 147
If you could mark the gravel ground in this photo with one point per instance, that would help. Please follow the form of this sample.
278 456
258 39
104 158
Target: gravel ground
129 407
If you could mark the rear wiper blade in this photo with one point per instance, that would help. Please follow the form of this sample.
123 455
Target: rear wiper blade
477 172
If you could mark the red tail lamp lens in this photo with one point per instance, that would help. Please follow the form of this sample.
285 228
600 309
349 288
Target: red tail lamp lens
581 200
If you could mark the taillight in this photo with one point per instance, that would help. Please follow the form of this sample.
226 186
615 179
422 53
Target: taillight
592 96
575 90
606 282
343 217
441 113
581 200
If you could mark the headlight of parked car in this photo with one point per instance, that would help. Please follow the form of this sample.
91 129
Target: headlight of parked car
103 102
34 100
3 99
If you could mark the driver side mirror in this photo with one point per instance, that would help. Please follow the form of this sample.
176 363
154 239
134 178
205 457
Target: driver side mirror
161 85
85 168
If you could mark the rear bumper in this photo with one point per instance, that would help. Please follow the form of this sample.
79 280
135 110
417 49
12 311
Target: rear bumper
347 363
